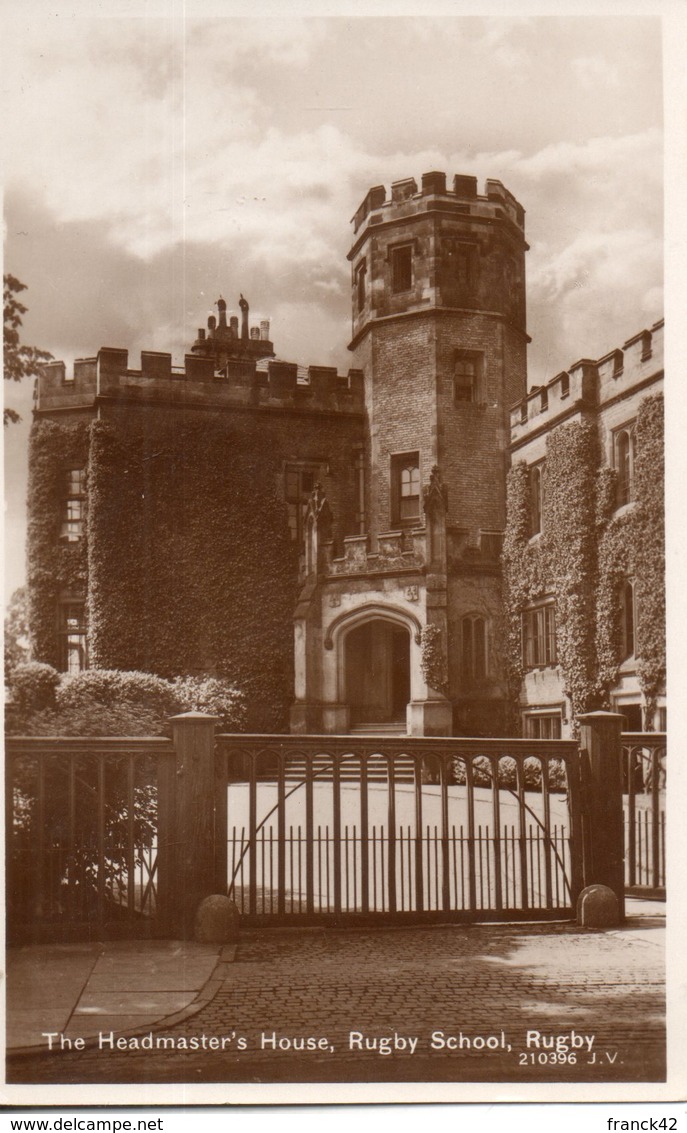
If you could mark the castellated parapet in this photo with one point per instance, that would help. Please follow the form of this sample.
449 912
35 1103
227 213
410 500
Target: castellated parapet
589 384
250 382
496 203
439 250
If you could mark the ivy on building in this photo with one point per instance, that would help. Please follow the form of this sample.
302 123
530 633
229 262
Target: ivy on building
55 567
632 546
433 661
585 551
187 554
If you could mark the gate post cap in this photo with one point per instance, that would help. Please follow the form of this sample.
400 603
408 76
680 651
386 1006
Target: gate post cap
598 907
217 920
193 718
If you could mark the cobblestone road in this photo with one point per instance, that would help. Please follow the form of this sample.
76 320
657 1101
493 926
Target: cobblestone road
490 985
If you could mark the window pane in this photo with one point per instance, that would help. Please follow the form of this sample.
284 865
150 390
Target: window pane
401 269
75 481
409 507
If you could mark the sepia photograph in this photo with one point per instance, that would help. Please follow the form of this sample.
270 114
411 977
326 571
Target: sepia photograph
335 555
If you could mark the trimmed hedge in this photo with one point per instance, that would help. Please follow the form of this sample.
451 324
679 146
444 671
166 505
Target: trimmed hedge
99 702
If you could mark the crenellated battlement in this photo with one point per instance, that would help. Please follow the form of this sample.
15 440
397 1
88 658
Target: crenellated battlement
244 381
495 203
590 383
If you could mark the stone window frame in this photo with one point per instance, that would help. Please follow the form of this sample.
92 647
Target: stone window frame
401 273
359 278
401 463
538 635
542 723
466 391
624 462
536 483
72 632
73 504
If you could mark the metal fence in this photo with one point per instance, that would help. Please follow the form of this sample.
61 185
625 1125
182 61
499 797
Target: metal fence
82 820
644 781
333 827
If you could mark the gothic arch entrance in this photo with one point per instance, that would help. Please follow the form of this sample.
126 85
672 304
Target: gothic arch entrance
377 672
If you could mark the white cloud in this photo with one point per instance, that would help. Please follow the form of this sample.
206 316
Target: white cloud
592 70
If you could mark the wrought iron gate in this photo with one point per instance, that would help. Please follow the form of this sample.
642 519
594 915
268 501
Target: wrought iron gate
83 817
644 805
354 829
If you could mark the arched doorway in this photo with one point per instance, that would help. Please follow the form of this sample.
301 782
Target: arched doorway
377 661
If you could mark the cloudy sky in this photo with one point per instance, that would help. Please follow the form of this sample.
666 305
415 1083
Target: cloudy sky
153 164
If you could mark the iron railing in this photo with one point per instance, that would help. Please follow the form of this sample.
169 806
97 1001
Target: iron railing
82 822
644 781
331 827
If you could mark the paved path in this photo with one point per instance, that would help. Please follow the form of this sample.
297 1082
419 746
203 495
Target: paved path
598 996
80 989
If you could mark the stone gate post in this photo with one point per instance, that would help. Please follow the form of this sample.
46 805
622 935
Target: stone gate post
194 827
601 754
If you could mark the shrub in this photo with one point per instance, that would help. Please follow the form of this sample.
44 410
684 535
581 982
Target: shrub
107 702
31 686
507 773
111 687
214 696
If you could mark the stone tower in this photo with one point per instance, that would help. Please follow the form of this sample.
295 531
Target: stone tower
400 627
439 331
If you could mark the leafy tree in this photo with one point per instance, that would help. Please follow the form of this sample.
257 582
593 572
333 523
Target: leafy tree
16 630
20 360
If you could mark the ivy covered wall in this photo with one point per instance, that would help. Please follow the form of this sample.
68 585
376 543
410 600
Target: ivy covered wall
632 545
186 557
585 550
55 567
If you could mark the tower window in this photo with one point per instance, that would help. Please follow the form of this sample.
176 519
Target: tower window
623 446
474 649
402 268
360 273
405 488
73 504
299 482
467 374
539 636
73 637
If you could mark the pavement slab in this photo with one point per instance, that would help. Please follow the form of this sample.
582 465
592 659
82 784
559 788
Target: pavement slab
76 989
